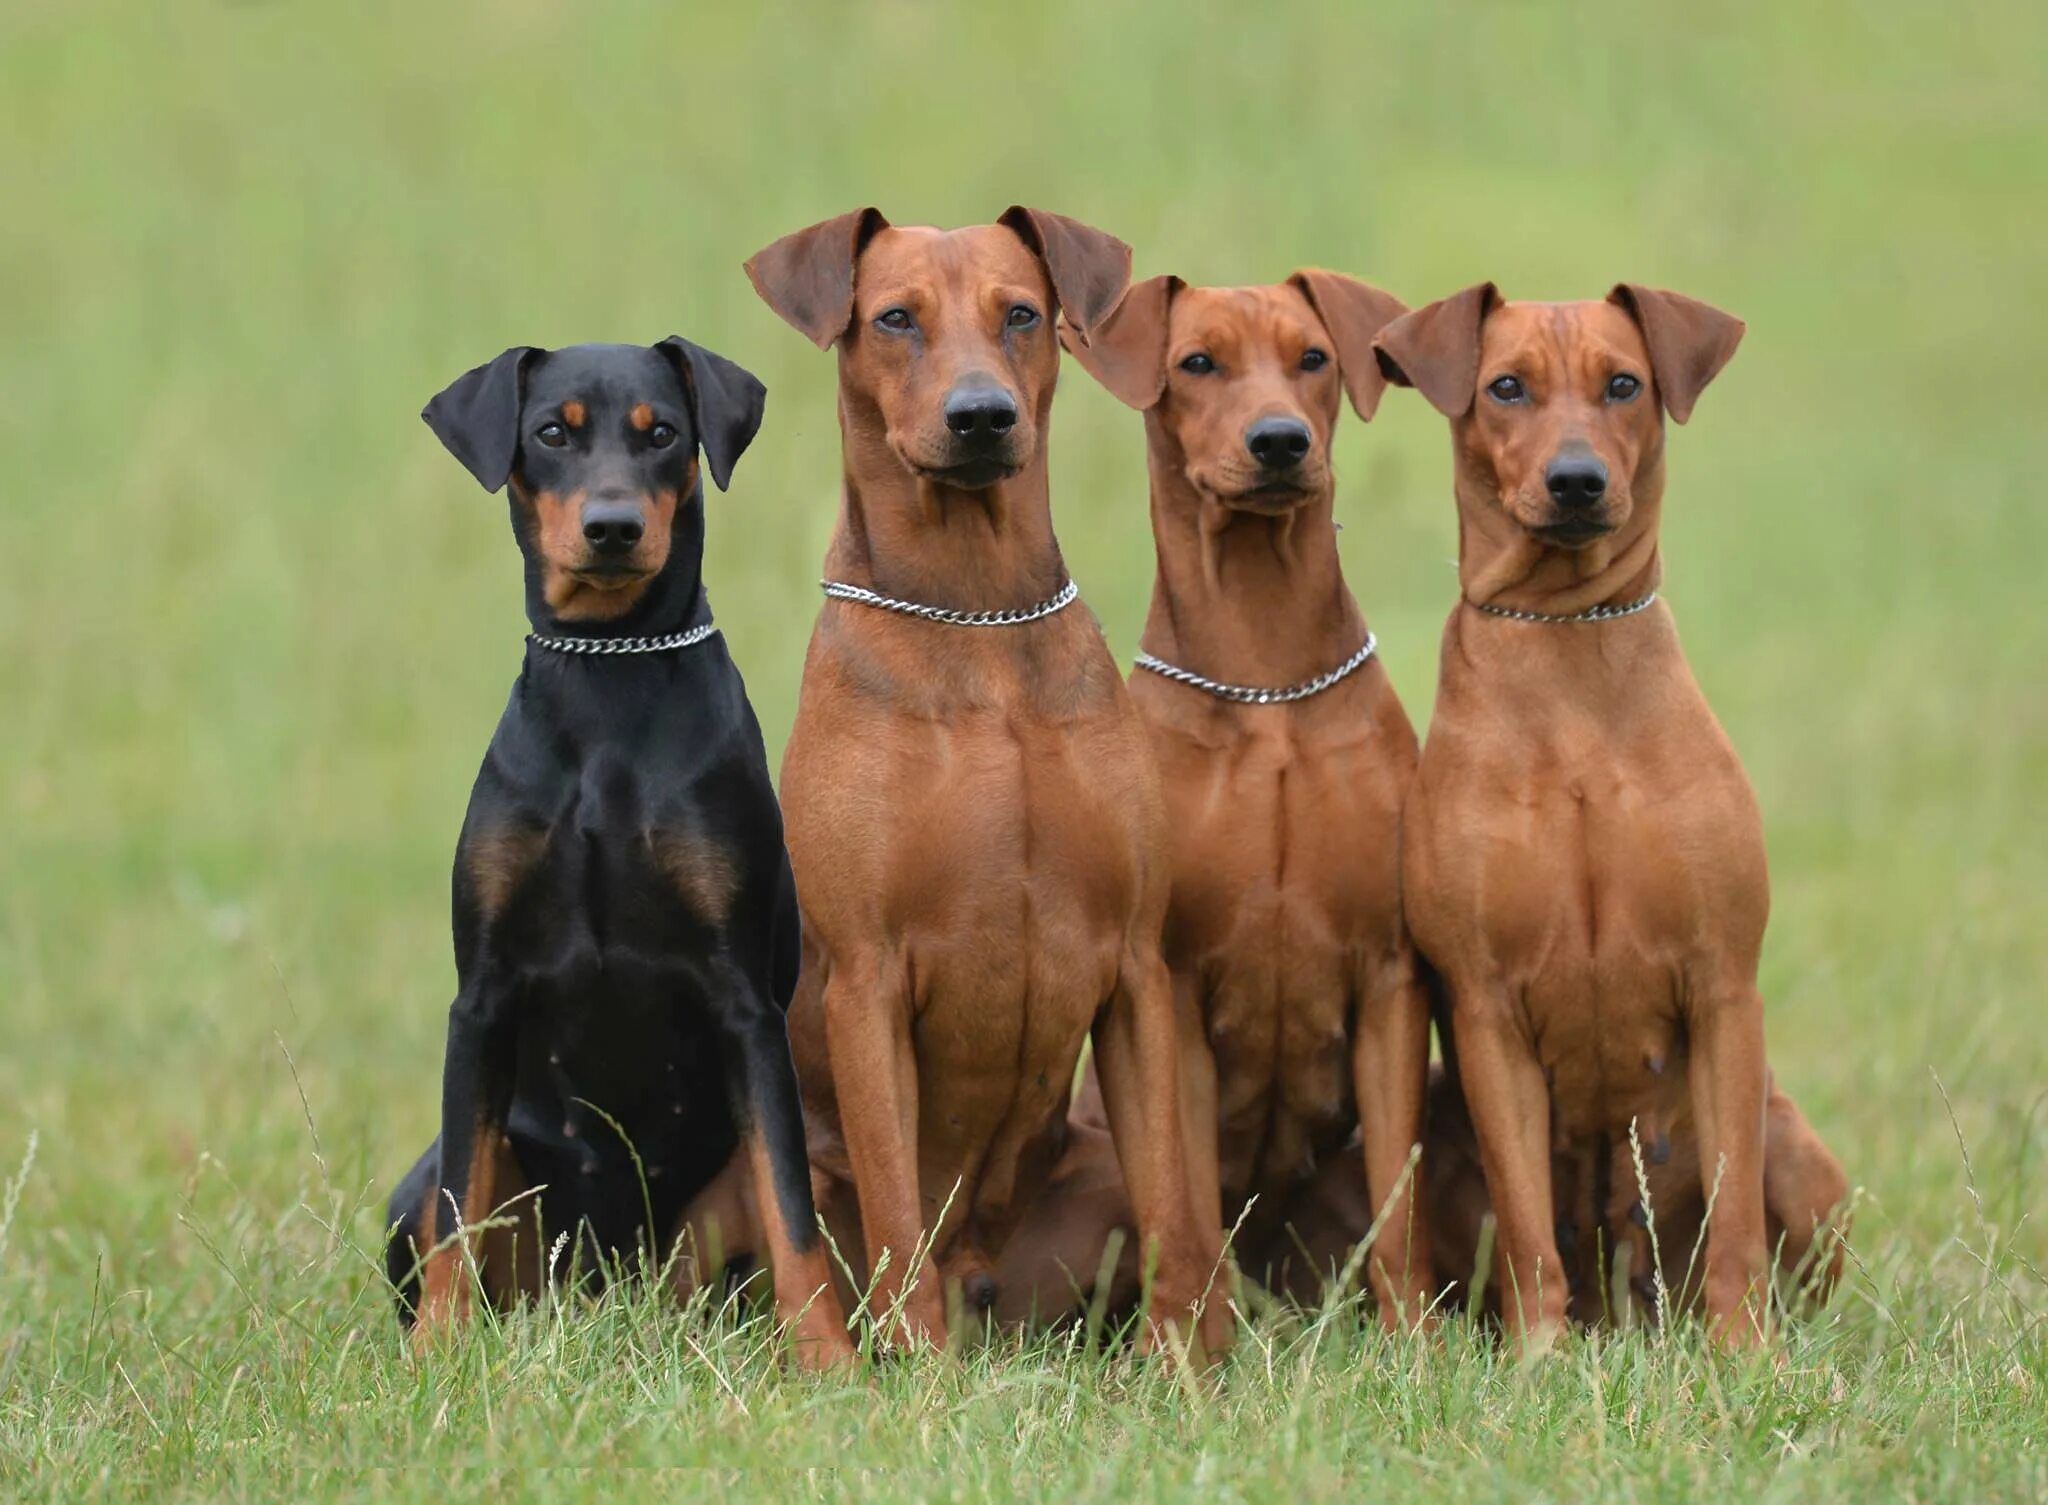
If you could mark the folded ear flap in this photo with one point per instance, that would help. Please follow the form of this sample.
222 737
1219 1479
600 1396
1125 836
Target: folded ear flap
1353 312
477 416
808 277
1127 351
1435 350
726 400
1089 268
1689 342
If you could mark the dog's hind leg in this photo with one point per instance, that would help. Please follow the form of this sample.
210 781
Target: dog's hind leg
1806 1198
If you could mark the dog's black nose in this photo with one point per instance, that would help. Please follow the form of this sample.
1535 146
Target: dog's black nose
1576 480
1278 443
612 527
980 412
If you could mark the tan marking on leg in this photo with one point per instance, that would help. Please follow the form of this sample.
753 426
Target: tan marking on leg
445 1284
805 1300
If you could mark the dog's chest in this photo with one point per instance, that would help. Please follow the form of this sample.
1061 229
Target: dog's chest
608 881
1594 880
1285 895
1280 850
1016 872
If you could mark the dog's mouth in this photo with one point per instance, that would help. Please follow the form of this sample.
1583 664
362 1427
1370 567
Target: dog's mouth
612 574
1573 532
1281 494
976 474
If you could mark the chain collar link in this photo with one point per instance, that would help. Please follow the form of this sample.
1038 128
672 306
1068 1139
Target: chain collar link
1251 694
1591 614
688 638
839 590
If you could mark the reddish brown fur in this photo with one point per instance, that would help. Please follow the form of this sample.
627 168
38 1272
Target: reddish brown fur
1298 995
642 416
1805 1193
1584 859
976 828
574 413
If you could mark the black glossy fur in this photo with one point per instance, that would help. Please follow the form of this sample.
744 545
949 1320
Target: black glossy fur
625 921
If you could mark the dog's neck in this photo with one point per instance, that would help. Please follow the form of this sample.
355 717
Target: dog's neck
915 539
672 601
1242 597
1501 565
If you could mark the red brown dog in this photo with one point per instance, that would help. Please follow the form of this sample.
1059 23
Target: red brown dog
1285 756
977 830
1583 858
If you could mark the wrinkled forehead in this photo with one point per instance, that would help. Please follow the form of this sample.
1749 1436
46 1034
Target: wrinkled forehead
604 375
953 263
1564 335
1237 317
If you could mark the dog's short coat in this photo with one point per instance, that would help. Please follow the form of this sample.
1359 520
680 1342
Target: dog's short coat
626 929
1301 1010
976 824
1583 859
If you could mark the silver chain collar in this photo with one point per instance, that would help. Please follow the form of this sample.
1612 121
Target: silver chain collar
1251 694
839 590
1590 614
688 638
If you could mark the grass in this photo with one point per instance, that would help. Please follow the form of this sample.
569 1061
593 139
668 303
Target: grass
257 627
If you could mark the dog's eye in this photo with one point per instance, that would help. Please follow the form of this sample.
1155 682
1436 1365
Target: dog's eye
1506 389
1197 364
1314 360
553 435
895 320
1623 387
1022 316
661 436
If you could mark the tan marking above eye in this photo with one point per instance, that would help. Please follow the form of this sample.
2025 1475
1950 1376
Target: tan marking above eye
642 417
574 413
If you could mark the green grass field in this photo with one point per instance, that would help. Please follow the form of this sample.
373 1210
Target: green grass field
257 627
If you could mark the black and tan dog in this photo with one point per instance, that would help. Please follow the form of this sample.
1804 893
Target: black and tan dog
626 927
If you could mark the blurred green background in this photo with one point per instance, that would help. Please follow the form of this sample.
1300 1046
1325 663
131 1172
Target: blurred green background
258 626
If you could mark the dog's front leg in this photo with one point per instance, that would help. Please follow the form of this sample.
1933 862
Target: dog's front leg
1510 1105
476 1091
1390 1064
1137 1049
867 1034
1729 1085
1199 1109
771 1123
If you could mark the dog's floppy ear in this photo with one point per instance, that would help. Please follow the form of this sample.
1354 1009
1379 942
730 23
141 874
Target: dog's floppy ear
1689 342
1353 312
808 277
1127 351
477 416
726 400
1090 268
1435 350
